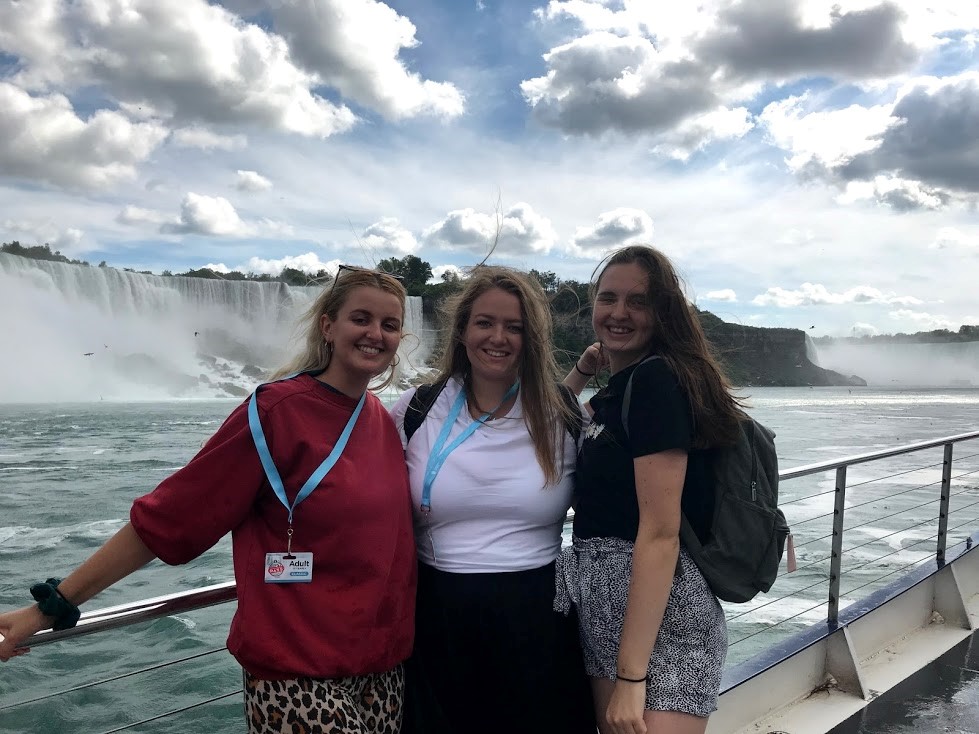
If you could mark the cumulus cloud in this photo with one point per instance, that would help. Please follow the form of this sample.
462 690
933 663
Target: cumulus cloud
519 231
388 234
41 138
274 227
898 194
650 67
783 40
696 133
252 181
354 47
602 82
42 233
616 228
725 294
187 60
915 152
217 267
135 215
824 138
308 263
934 143
439 272
924 321
810 294
200 137
207 215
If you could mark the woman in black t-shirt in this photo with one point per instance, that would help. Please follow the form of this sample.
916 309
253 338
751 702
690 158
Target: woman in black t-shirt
653 635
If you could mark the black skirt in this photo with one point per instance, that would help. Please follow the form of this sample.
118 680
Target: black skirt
491 655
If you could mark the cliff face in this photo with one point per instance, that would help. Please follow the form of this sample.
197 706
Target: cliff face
750 355
753 355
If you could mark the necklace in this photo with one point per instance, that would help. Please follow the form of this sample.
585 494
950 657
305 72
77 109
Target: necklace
476 411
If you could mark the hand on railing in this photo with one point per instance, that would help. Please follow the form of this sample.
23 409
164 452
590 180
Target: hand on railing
17 626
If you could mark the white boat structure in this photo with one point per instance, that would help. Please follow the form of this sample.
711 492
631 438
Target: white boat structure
859 668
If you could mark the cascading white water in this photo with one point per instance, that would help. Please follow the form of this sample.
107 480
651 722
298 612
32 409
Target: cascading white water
75 333
896 364
812 354
418 343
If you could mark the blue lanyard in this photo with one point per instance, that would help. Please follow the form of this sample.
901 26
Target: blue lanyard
438 455
258 435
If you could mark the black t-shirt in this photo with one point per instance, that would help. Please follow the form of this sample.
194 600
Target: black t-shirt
659 420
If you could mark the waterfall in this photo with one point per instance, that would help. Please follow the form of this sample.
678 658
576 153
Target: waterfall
76 333
812 354
418 343
907 364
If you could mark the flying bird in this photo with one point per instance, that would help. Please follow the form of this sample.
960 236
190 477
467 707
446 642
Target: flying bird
88 354
813 326
196 333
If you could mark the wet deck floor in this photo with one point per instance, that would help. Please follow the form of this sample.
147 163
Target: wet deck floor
942 698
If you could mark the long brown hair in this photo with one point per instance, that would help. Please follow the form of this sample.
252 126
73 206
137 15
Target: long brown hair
678 338
316 353
545 412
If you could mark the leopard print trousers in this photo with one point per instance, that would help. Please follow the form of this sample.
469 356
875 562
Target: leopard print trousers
363 704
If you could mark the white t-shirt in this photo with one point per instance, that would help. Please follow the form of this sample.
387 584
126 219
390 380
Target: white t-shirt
490 508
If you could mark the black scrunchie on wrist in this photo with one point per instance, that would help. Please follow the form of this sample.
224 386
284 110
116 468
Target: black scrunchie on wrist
53 604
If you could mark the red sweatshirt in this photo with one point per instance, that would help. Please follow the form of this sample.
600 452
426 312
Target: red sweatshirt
357 614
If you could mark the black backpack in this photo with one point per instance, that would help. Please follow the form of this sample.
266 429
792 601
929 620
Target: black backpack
748 532
425 396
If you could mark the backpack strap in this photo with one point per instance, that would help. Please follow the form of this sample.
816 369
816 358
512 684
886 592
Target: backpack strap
419 405
627 395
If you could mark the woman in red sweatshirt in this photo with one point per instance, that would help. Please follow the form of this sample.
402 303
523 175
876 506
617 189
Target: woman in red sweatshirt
309 477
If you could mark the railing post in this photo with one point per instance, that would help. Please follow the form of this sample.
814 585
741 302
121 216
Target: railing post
836 560
943 507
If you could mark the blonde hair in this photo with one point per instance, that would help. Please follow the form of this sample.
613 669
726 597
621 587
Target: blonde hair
545 411
316 353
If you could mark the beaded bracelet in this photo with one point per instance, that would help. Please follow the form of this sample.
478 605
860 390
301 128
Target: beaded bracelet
52 603
582 372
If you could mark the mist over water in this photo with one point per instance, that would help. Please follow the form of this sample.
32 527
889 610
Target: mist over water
955 364
74 333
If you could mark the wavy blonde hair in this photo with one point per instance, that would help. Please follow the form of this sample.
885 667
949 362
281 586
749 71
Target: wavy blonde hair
545 411
316 354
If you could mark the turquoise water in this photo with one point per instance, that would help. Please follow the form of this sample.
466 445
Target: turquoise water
69 472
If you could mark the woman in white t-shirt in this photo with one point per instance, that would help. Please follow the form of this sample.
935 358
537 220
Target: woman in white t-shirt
491 457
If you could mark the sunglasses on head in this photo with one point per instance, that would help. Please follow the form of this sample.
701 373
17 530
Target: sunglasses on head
357 269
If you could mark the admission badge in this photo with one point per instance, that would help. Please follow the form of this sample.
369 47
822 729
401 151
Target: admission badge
288 568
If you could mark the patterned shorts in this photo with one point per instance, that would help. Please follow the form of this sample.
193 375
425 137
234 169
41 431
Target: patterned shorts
363 704
688 658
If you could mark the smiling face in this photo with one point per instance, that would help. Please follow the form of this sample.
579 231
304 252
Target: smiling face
493 337
621 315
365 336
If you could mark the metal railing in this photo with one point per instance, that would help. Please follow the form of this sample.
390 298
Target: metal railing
889 506
164 606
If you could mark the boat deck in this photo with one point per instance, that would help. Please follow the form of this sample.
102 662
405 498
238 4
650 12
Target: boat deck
941 698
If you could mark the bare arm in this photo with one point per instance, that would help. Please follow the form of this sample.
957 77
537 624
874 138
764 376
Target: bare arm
659 485
122 554
589 364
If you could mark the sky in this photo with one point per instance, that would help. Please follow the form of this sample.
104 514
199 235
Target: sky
805 163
